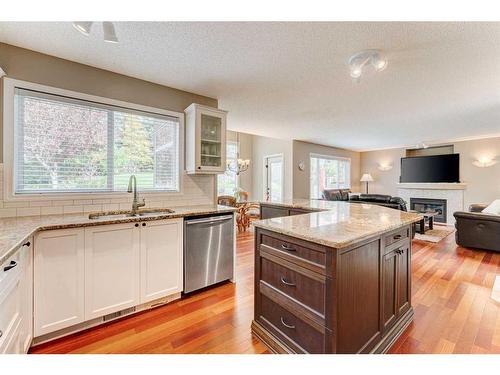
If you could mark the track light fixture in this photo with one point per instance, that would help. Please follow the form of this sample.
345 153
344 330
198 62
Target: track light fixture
107 27
362 59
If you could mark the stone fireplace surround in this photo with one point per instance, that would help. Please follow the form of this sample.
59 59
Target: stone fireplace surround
453 193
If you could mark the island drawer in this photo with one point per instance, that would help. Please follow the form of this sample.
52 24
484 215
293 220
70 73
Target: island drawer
298 283
291 330
302 253
396 236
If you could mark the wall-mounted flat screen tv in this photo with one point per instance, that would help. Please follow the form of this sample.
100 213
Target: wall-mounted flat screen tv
435 168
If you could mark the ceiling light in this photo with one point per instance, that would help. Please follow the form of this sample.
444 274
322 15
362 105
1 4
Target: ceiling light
109 32
380 64
356 72
362 59
107 27
83 27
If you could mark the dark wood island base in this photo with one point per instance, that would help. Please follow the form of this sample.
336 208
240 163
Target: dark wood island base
311 298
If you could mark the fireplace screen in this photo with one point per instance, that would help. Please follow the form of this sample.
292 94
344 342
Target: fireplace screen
430 205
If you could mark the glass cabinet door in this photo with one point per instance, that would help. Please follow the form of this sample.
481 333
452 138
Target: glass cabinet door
211 141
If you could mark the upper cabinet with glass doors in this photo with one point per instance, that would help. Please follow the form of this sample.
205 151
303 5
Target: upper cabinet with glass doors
205 139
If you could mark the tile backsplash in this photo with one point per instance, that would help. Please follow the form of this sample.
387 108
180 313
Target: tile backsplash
196 190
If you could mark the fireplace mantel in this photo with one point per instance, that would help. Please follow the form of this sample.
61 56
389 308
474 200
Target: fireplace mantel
432 186
452 193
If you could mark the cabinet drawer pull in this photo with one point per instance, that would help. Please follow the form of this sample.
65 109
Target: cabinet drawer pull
286 325
287 282
287 248
397 237
10 266
27 244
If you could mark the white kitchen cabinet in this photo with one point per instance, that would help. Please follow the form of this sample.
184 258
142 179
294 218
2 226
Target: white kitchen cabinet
161 258
10 304
58 280
26 285
205 139
112 268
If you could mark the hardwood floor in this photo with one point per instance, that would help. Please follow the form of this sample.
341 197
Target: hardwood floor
454 312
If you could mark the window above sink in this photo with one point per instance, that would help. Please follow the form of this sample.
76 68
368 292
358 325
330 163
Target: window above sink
60 143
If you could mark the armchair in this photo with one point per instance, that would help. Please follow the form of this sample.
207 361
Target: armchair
476 229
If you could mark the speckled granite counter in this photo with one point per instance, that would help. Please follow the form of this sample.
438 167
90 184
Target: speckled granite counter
336 224
15 230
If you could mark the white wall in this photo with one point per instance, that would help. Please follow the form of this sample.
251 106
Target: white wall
262 147
483 184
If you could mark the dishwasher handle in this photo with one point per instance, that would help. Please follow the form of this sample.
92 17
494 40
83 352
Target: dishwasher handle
209 220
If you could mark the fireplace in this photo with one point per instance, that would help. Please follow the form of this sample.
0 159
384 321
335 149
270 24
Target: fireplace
428 204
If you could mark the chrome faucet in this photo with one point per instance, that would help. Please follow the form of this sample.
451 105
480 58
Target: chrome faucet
132 187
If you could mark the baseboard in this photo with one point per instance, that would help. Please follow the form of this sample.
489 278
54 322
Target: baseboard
396 331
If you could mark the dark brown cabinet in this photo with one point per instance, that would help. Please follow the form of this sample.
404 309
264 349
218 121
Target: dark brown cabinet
311 298
396 286
269 211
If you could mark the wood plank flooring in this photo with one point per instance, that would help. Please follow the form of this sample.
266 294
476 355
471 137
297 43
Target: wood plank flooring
454 312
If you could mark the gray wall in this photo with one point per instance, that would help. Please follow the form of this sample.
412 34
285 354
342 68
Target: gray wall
483 184
27 65
301 152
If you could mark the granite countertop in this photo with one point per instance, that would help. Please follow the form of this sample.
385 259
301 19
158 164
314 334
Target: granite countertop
336 224
14 231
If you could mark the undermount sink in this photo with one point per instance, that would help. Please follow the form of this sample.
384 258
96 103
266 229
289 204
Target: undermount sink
123 214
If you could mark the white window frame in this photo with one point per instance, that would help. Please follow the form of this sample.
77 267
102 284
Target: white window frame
330 157
9 86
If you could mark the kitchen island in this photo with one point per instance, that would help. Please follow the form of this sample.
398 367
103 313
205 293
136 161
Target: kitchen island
332 277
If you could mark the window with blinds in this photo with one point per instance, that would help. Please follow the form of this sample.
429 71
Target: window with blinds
71 145
329 172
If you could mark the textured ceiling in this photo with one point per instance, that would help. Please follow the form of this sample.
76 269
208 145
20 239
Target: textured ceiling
291 80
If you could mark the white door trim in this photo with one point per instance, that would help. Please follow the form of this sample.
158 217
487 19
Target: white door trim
264 185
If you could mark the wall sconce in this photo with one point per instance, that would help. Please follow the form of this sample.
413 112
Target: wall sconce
384 166
2 73
484 161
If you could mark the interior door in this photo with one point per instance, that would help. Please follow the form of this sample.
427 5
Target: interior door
273 189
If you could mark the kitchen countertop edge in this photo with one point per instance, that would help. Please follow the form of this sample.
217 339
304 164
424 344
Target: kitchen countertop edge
13 246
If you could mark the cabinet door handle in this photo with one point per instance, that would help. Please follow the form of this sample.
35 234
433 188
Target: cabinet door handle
286 325
287 248
287 282
397 237
27 244
1 333
10 266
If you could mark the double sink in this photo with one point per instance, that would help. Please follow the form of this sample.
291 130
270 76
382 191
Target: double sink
123 214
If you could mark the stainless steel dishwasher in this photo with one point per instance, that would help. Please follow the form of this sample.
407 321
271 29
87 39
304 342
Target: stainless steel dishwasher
208 251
